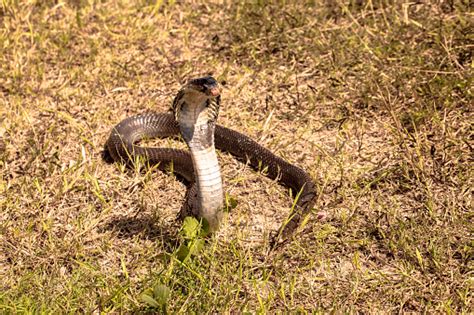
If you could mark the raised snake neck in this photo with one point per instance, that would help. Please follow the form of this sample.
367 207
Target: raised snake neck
205 187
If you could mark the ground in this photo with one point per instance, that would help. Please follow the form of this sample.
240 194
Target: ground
373 98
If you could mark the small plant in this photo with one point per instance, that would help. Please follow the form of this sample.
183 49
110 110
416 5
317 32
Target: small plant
157 297
193 232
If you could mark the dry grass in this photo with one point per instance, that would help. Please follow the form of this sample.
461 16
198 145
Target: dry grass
373 98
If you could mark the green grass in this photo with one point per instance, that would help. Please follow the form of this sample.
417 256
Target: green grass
373 98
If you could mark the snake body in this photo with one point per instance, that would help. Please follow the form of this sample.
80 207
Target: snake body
195 110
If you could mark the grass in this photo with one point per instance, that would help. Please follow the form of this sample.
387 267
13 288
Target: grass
374 99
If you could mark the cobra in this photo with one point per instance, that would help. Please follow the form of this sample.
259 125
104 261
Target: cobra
194 113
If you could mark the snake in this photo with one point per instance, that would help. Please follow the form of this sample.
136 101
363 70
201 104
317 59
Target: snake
193 115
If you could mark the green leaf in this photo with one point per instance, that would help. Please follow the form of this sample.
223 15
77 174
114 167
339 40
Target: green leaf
205 228
183 253
196 246
191 227
161 294
149 300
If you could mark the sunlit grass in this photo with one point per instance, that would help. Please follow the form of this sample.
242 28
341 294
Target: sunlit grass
373 99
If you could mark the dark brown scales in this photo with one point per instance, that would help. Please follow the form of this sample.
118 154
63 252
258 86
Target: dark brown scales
121 148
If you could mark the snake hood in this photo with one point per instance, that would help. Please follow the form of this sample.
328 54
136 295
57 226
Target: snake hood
196 108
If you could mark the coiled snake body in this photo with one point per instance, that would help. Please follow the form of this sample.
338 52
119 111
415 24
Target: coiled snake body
195 110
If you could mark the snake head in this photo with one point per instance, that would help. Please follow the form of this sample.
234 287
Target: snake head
200 91
206 85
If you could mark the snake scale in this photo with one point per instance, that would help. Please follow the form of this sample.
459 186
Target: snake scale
195 110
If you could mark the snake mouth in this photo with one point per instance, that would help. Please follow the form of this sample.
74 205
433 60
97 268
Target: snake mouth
214 91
